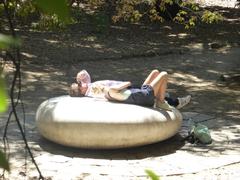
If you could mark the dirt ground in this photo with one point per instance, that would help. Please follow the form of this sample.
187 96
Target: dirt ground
197 60
203 62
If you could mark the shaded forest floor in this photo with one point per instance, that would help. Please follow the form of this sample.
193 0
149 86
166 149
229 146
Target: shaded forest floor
202 62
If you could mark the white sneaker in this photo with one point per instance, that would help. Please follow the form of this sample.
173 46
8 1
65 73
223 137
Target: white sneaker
163 105
183 101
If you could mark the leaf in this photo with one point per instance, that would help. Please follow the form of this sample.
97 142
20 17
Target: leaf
3 96
58 7
3 162
152 175
7 41
211 17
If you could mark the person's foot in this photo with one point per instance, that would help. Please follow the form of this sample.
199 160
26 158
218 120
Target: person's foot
183 101
163 105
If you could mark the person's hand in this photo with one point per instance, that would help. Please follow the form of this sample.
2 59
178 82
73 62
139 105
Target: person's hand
106 89
80 77
83 77
106 92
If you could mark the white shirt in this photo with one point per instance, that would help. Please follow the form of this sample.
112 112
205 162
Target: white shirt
96 89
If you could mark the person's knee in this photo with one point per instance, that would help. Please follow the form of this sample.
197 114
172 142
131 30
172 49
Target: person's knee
163 74
155 71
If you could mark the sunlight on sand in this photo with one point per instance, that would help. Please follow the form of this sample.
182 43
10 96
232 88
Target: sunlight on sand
192 81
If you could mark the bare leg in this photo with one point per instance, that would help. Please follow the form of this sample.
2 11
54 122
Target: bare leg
151 77
159 85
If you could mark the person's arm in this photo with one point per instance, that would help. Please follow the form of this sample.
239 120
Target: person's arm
116 93
120 86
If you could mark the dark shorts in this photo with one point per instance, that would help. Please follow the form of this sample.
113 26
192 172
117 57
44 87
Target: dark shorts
143 96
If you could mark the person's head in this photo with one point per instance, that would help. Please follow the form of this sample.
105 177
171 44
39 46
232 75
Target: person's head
83 77
77 90
80 87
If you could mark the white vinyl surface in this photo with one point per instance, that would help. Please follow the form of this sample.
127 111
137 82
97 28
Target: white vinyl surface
93 123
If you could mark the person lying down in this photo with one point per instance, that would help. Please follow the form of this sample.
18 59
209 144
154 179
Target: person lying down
152 93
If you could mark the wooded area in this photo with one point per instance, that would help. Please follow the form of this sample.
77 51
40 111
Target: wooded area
59 15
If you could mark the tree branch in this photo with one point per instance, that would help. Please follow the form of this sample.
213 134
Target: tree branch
17 80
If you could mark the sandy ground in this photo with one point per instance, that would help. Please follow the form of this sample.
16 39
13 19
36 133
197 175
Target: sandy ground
195 61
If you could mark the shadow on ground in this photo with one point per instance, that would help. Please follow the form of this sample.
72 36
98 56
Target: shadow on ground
195 61
153 150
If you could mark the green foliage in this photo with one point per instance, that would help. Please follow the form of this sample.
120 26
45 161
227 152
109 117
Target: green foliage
49 22
3 95
180 16
191 22
3 162
187 13
1 8
3 107
127 11
25 11
152 175
190 14
211 17
58 13
57 7
22 11
99 21
96 17
7 42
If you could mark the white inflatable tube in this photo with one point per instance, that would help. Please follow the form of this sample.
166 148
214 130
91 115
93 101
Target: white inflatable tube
97 124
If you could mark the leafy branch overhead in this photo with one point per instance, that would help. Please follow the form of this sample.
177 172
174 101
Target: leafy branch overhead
58 7
47 14
6 42
3 161
187 13
3 94
11 42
